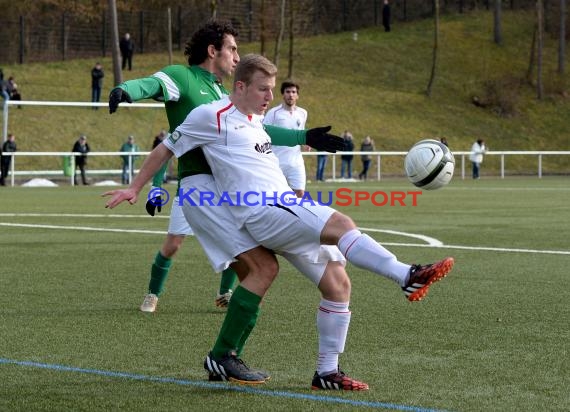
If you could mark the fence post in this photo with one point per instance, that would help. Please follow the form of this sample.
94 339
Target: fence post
5 121
502 166
540 166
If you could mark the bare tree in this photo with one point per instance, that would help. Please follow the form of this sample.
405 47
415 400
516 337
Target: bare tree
497 29
540 42
562 37
291 38
435 47
117 72
531 57
262 33
279 39
169 31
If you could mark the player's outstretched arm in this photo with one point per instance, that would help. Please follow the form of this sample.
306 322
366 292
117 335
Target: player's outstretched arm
318 138
151 165
134 90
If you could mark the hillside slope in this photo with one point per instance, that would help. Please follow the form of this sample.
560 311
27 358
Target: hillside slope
373 86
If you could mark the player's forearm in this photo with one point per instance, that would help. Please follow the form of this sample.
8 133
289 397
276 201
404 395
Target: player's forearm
285 137
157 158
145 88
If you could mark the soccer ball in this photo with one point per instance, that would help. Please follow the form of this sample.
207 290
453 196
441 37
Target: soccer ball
429 164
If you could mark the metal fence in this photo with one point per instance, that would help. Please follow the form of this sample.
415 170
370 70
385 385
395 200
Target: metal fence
67 172
61 36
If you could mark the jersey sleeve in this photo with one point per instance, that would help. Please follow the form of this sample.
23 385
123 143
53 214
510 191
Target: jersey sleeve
144 88
285 137
197 130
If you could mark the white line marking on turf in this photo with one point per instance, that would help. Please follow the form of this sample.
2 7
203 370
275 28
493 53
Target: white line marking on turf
432 243
79 215
85 228
429 240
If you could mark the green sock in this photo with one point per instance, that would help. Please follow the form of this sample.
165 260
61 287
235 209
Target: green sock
158 274
229 277
247 332
243 307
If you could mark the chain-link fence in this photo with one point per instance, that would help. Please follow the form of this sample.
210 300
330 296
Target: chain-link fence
66 36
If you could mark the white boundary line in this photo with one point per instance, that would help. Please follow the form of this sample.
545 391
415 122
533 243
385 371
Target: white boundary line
430 242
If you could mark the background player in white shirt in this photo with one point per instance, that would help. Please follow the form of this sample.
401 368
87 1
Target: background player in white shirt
290 116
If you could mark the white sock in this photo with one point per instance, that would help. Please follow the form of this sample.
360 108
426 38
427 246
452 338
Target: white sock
363 251
333 319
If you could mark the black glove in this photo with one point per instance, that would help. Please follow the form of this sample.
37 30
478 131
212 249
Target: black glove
319 139
153 203
117 96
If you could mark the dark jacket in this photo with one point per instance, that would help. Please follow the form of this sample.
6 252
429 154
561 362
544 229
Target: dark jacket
79 148
97 77
349 147
127 47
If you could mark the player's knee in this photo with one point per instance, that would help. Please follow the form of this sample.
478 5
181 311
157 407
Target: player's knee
337 225
335 284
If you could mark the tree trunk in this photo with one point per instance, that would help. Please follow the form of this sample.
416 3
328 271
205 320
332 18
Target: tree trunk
540 38
531 58
435 46
498 37
262 28
291 38
279 38
562 39
117 72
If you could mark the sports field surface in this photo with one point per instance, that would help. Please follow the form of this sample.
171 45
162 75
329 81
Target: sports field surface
492 336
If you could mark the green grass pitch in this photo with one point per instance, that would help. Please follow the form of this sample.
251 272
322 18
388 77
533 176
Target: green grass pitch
491 336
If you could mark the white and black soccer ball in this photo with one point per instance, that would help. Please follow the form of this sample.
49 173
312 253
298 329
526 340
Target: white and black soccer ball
429 164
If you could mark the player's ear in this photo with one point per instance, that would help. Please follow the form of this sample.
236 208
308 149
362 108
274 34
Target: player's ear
212 51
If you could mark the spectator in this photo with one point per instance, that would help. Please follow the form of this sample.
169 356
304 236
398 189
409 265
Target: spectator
444 141
477 151
367 145
127 46
347 158
159 138
81 146
97 75
3 87
386 15
9 146
13 90
128 160
321 164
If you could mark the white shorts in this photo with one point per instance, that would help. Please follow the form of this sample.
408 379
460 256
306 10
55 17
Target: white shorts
178 225
295 175
214 226
294 232
218 234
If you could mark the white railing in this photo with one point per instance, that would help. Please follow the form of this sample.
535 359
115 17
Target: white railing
8 103
461 159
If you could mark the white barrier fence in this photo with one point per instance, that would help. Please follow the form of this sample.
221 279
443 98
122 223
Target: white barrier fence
461 159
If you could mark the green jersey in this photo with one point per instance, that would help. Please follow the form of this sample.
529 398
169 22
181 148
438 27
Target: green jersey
183 88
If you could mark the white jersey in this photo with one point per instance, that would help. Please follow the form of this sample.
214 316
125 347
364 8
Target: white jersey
239 152
280 116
